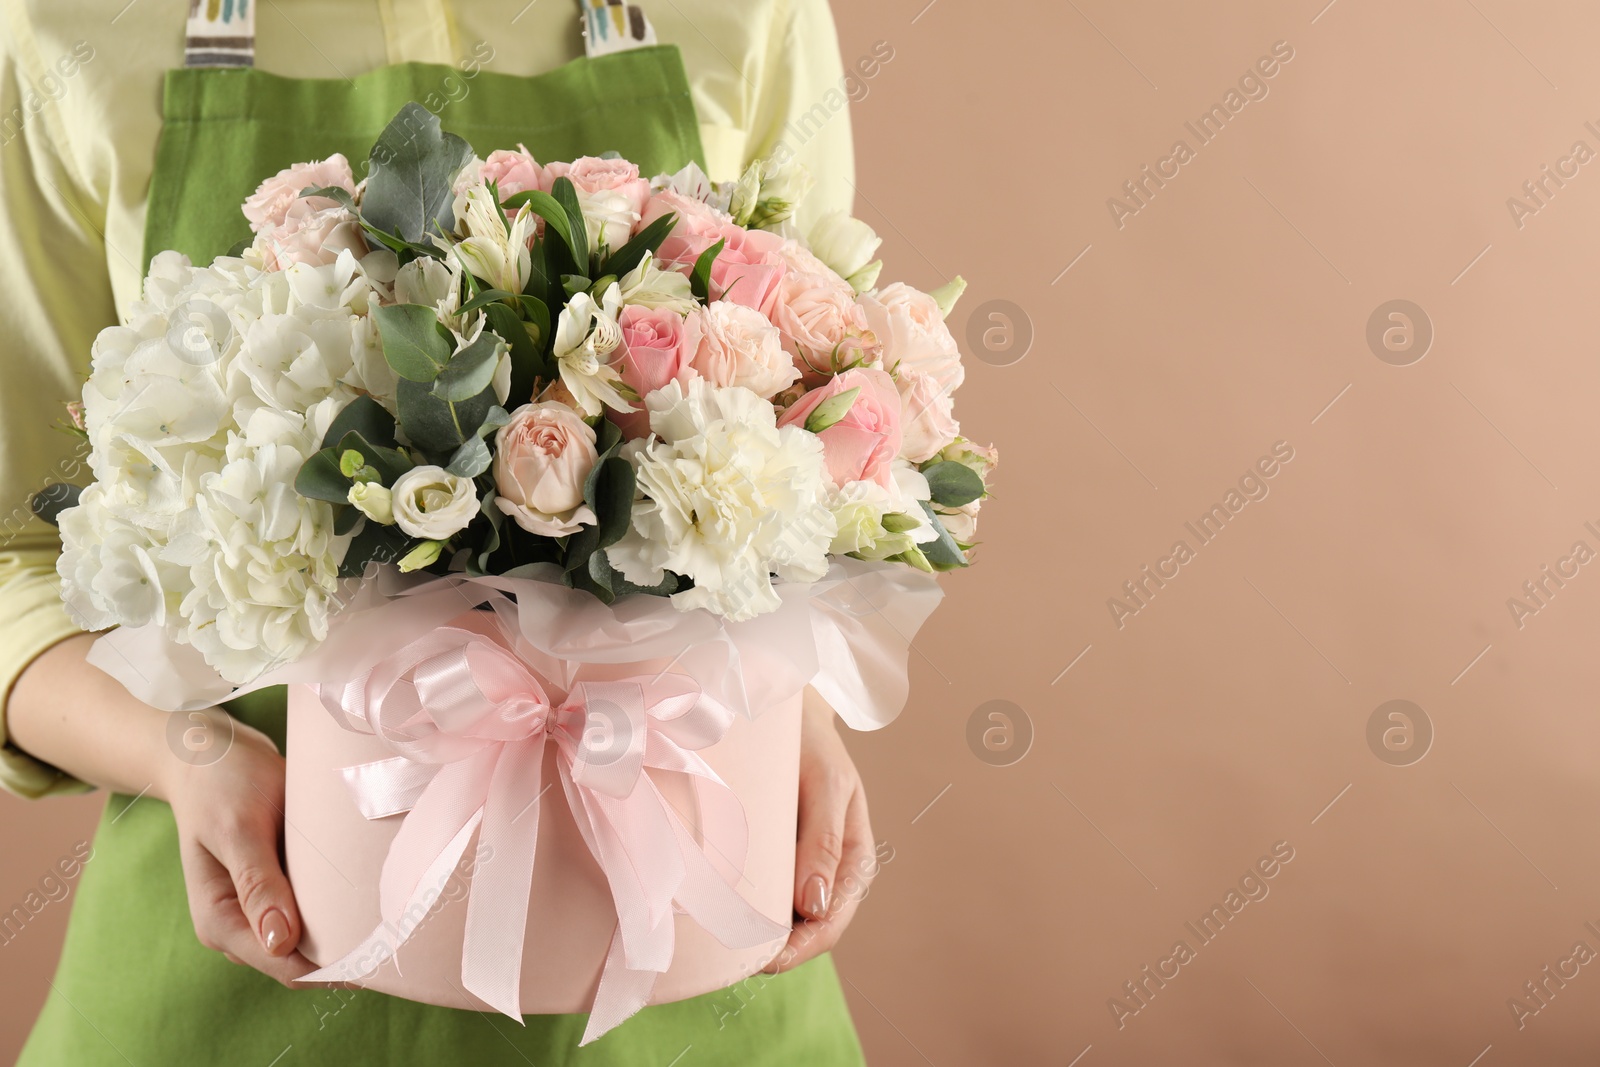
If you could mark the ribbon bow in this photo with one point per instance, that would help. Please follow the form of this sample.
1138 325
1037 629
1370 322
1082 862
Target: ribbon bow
469 721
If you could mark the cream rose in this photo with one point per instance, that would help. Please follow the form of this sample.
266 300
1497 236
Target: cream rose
542 458
432 503
915 339
927 418
730 344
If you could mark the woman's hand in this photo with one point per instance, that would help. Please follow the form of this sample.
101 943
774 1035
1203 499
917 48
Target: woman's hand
230 826
835 860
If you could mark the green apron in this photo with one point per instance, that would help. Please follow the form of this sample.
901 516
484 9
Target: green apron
134 986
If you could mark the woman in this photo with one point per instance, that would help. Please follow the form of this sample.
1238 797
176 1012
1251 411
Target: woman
188 876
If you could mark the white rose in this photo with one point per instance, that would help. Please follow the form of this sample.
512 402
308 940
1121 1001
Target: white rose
847 245
432 503
927 418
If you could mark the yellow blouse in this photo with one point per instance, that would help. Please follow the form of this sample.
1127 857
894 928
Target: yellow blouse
80 111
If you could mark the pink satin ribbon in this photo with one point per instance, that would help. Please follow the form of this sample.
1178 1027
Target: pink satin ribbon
469 721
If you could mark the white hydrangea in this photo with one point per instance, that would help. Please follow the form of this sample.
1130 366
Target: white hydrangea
730 499
200 412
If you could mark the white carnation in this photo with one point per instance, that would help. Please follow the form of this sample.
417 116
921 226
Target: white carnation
729 499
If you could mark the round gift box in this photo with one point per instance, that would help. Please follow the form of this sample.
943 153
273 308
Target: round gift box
335 856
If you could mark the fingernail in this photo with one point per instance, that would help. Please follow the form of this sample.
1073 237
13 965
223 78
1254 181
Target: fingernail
816 899
274 929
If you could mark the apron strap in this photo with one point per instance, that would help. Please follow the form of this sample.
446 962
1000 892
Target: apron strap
220 33
614 26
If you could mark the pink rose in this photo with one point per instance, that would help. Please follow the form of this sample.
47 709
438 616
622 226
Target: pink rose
695 218
513 172
861 446
268 207
729 344
927 418
542 457
592 175
311 235
911 328
801 259
819 318
652 354
747 270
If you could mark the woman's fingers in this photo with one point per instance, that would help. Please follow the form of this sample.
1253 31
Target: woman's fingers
854 873
825 791
220 922
250 853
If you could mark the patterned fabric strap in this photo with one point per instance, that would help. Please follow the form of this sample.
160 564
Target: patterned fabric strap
614 26
221 33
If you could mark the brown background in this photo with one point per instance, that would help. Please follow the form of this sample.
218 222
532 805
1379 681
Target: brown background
1223 317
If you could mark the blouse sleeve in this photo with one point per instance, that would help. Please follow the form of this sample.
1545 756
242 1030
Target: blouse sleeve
802 107
57 297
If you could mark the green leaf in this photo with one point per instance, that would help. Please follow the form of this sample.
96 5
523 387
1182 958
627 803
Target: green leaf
648 240
700 278
367 417
376 543
471 370
436 426
321 479
345 519
485 298
575 284
943 554
609 492
555 216
412 341
831 410
49 502
952 484
566 194
527 358
414 164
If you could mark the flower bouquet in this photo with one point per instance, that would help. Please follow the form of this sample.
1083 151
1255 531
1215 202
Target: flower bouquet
521 473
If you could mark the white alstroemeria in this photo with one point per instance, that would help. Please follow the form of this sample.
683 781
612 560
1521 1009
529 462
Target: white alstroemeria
847 244
488 251
428 281
690 182
728 499
649 286
587 334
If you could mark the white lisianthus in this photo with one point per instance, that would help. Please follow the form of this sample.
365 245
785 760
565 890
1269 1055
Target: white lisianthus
847 245
651 287
489 251
587 336
431 503
730 498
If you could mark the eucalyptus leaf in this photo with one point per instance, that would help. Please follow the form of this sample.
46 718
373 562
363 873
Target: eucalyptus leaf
412 341
471 459
373 543
943 554
367 417
346 519
49 502
410 186
321 479
390 463
439 427
471 370
952 484
332 192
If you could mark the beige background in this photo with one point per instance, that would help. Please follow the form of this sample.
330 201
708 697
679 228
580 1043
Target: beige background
1231 712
